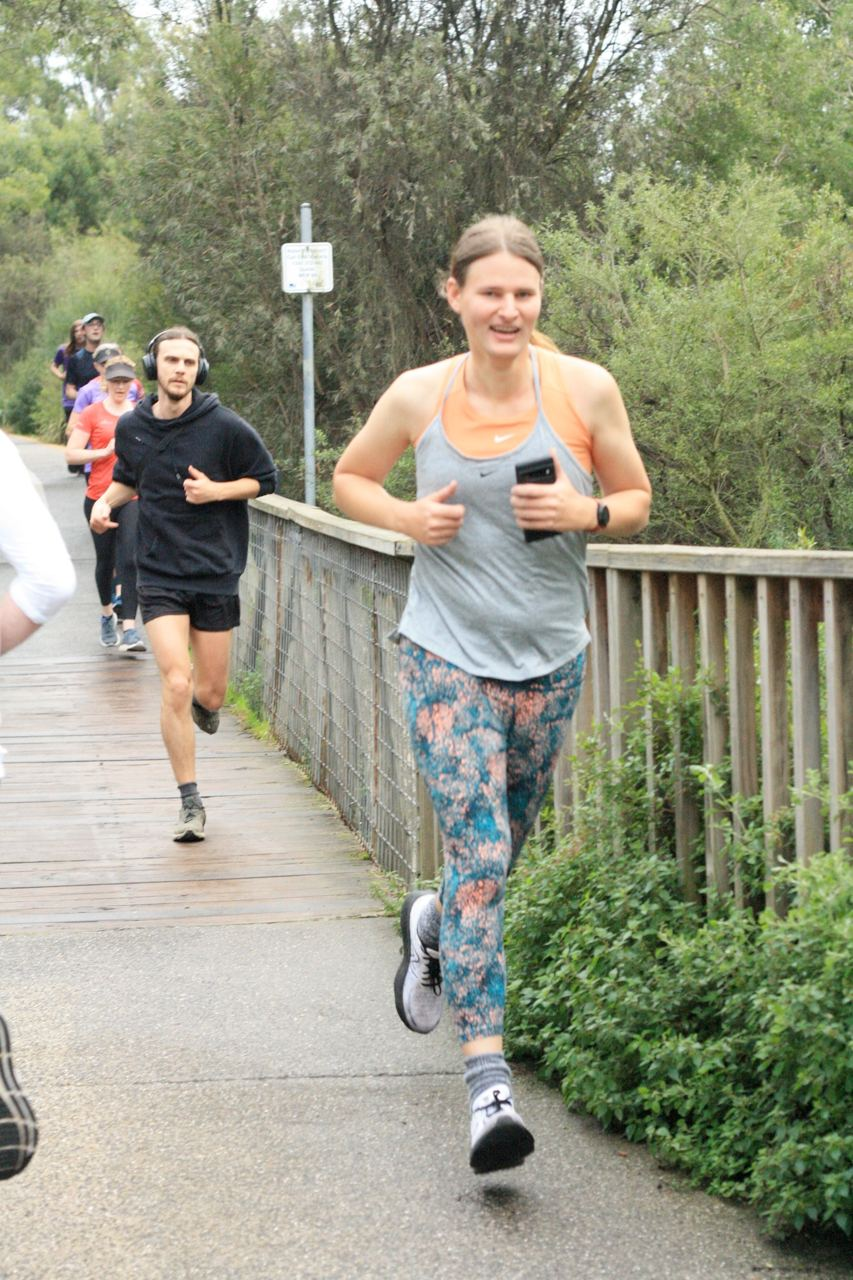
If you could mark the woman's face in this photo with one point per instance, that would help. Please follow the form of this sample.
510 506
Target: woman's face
498 304
117 389
78 333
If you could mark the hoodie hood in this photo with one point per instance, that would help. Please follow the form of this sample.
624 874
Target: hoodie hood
203 403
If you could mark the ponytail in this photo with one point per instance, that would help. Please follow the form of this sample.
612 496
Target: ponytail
539 339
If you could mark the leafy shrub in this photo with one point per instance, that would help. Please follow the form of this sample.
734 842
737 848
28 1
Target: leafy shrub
720 1038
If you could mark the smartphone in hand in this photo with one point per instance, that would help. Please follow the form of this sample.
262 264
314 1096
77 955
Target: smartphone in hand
539 471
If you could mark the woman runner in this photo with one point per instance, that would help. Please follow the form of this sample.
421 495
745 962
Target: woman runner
493 634
115 551
59 369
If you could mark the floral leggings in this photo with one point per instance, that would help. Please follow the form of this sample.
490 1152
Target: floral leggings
486 749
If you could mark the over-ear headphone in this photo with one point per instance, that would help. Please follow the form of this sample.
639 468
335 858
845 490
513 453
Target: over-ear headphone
149 360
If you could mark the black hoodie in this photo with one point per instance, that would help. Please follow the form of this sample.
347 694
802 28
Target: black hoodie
182 545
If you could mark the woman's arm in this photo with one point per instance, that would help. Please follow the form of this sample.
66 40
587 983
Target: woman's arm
76 451
398 418
616 462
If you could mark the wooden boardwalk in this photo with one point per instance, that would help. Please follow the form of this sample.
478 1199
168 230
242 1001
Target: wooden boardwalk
88 804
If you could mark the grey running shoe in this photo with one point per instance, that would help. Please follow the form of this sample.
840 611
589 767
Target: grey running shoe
417 985
131 641
207 721
109 631
499 1139
18 1129
190 825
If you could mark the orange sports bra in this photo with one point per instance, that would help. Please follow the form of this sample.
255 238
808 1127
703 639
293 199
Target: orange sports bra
479 437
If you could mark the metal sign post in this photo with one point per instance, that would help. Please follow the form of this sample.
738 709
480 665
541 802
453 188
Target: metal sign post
306 268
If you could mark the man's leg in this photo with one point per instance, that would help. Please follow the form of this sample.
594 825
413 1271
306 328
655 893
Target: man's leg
170 637
211 652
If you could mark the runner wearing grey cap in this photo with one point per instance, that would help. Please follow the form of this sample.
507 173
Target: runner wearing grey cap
81 368
115 553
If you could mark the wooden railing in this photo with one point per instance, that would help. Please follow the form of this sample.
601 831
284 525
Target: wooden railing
771 631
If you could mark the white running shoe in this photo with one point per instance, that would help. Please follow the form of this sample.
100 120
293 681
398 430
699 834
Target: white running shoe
417 985
499 1139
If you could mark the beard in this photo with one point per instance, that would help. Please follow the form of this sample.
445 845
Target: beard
175 394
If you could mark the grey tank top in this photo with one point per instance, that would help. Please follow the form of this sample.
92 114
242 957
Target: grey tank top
488 601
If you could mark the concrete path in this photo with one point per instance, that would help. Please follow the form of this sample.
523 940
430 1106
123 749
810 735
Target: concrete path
224 1100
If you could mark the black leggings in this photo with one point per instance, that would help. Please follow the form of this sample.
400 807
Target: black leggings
116 550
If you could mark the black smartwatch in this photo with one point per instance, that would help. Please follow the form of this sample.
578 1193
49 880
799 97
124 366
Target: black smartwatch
602 514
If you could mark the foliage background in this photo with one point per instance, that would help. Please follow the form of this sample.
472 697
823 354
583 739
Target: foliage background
687 164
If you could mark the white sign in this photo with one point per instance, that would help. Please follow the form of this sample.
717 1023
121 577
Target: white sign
306 268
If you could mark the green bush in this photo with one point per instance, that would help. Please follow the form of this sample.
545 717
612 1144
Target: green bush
721 1038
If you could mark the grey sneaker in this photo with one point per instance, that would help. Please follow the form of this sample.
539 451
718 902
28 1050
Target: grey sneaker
18 1129
499 1138
109 631
417 985
131 641
190 825
207 721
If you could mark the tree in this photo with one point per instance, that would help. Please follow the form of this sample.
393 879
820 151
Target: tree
400 122
766 83
723 310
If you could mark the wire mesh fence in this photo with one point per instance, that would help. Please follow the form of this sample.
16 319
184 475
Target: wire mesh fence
314 657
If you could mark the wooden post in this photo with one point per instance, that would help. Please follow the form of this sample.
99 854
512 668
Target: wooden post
654 595
566 791
682 647
429 835
625 632
805 707
771 603
714 726
838 642
598 650
740 627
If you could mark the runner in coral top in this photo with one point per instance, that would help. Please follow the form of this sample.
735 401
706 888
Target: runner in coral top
93 440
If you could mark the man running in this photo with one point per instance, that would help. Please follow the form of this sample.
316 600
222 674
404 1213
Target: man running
194 465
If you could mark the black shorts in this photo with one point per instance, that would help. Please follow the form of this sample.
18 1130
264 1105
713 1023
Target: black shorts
205 612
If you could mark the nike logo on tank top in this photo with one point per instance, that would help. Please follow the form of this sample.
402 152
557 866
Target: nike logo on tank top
488 601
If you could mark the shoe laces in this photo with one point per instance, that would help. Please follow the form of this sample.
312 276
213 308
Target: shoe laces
431 972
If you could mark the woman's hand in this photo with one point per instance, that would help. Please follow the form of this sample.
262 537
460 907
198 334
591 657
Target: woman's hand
434 521
556 506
